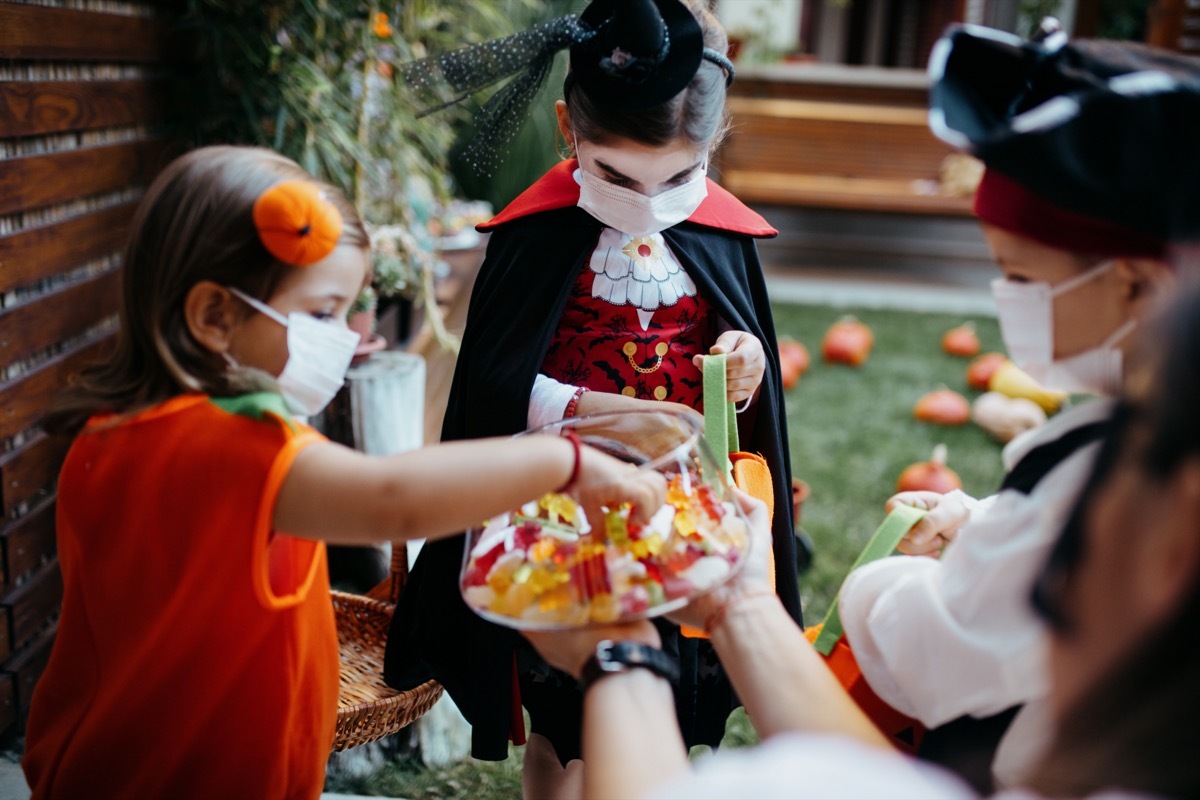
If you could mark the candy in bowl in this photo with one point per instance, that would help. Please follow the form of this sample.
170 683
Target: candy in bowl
554 564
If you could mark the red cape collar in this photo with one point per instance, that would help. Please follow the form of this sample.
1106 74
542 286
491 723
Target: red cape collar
558 189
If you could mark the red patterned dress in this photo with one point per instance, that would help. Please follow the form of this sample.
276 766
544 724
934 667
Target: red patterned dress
632 324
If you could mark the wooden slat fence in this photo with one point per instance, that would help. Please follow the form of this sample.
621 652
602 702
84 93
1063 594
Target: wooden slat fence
1175 24
83 113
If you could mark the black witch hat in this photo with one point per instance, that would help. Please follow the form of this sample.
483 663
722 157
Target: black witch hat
1104 132
627 55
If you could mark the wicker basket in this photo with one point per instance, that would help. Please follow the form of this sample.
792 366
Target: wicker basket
369 709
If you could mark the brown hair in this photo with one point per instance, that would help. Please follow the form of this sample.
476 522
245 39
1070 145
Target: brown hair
194 224
1135 729
697 114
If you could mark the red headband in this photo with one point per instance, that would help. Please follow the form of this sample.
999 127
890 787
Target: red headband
1007 204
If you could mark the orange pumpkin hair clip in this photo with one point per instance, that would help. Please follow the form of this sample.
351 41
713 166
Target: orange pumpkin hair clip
296 223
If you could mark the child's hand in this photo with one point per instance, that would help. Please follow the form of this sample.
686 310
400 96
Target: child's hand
744 366
947 513
607 481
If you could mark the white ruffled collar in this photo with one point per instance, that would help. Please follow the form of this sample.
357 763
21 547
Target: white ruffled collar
640 271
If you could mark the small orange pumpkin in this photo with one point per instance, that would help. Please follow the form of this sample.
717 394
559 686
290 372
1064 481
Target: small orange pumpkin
847 341
929 476
943 407
980 370
793 361
961 341
296 223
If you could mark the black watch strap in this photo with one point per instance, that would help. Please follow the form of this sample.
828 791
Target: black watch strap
612 657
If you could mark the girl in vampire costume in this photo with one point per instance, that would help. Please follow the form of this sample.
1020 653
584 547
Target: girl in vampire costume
602 285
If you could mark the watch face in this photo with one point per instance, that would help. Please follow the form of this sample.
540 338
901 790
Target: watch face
611 657
604 657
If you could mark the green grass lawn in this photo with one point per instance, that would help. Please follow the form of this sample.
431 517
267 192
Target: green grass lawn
851 433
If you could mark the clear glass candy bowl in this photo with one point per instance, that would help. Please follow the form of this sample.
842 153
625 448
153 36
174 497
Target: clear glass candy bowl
550 565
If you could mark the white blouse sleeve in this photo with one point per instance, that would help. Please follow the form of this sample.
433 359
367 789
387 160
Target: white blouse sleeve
548 401
938 639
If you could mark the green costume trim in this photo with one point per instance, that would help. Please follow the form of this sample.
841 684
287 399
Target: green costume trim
257 405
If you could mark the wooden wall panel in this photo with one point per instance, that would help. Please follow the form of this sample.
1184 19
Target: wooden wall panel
27 542
8 702
35 181
23 399
83 118
27 472
29 606
1175 25
40 32
31 108
26 666
66 312
41 252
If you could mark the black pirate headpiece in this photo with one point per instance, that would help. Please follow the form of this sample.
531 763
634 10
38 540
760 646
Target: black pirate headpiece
627 55
1090 146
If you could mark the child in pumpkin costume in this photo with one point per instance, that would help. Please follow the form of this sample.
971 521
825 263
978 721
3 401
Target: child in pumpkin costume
603 285
1091 183
196 654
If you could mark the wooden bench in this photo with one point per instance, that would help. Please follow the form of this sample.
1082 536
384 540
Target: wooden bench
826 154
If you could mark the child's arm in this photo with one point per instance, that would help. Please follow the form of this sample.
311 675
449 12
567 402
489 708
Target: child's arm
601 402
334 493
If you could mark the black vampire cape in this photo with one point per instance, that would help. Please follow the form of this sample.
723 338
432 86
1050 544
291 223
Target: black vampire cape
538 246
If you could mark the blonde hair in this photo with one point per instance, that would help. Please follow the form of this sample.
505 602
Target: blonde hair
194 224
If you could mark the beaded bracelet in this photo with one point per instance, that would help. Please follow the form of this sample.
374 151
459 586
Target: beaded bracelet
573 437
573 405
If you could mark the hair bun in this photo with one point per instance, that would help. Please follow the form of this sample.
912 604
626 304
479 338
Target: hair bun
296 223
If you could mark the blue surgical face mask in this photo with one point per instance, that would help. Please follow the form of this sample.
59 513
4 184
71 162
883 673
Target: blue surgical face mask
319 354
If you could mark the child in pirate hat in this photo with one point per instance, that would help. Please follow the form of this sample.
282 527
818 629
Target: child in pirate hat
1090 197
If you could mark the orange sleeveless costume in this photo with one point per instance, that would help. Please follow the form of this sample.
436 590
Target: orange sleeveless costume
196 655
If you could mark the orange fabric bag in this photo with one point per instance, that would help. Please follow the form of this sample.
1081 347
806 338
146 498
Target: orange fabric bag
827 638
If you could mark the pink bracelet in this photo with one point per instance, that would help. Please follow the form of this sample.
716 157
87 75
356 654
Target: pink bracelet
573 437
573 405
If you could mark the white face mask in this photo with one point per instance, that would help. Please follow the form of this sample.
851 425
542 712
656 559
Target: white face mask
1026 312
635 213
319 354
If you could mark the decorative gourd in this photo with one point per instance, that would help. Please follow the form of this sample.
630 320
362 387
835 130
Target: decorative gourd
929 476
1005 417
847 341
961 341
1011 380
793 361
981 369
296 223
943 407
